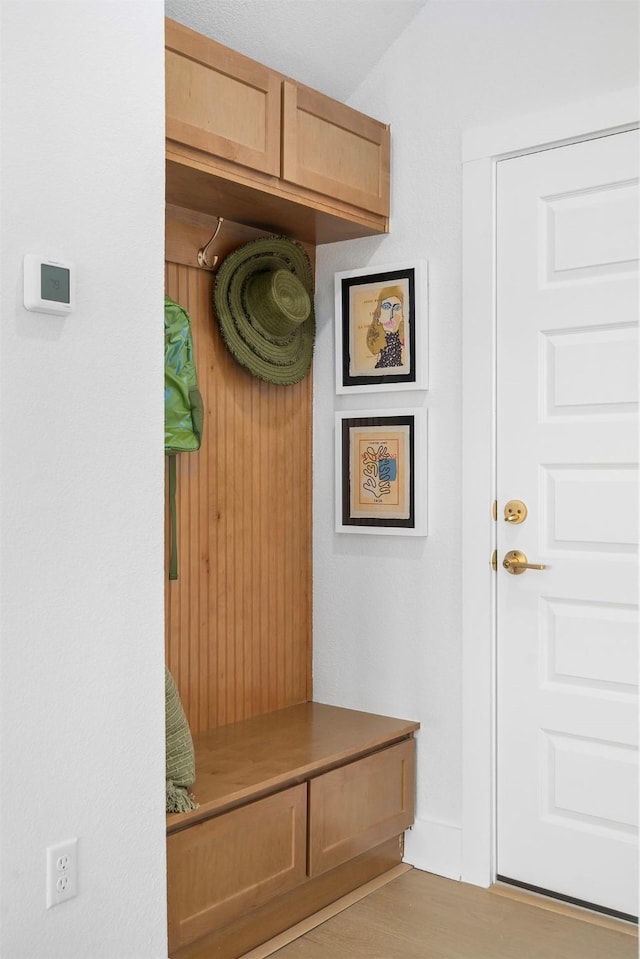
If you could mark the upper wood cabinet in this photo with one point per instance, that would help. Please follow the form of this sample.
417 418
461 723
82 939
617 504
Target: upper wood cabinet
330 148
249 144
221 102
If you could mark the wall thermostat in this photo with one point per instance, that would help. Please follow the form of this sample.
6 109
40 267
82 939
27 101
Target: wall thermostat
49 285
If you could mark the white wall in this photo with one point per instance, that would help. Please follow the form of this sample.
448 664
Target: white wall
81 479
387 623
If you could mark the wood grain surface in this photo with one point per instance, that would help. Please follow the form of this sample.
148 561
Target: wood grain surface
422 916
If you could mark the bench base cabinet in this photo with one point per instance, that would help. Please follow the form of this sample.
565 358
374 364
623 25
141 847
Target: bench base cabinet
238 876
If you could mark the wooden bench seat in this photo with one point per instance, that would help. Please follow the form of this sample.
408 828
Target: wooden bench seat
296 808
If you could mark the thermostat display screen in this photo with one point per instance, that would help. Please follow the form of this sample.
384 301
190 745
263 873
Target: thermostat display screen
54 283
49 285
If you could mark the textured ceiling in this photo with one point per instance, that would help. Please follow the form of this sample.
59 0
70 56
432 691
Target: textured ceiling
330 45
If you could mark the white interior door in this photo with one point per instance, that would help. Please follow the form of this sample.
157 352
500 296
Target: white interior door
567 403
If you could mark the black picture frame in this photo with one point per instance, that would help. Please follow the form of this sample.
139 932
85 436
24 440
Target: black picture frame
360 361
381 472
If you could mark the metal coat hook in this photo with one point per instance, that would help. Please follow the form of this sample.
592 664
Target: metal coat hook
202 253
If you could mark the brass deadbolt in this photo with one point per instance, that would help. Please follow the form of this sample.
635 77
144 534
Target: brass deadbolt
515 512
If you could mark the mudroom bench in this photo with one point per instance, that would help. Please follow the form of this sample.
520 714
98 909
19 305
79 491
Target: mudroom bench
296 809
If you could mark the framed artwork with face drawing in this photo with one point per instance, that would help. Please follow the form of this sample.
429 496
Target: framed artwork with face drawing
382 328
381 472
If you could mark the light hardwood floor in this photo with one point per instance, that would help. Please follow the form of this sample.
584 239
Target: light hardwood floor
421 916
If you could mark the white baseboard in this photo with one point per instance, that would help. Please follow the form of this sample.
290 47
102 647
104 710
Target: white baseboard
434 847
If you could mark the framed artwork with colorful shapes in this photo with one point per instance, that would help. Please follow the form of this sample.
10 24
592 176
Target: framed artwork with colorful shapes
381 472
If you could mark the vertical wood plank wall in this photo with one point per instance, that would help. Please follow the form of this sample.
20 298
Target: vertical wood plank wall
238 619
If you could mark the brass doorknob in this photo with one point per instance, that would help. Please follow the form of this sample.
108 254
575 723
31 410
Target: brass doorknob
515 563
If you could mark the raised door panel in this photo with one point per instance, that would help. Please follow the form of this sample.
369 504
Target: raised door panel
332 149
356 807
226 866
221 102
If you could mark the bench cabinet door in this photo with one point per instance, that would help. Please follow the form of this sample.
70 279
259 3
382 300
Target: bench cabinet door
356 807
226 866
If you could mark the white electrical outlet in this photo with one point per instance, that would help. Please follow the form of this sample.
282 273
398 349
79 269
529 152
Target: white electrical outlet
62 872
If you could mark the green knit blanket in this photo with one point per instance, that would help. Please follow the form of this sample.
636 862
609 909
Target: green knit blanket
181 767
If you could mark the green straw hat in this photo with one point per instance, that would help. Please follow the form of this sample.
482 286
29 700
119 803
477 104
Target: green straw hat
263 300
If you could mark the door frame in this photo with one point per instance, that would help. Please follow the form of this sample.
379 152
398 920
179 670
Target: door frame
482 149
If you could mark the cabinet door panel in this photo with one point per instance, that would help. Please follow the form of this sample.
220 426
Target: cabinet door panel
332 149
227 866
221 102
358 806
